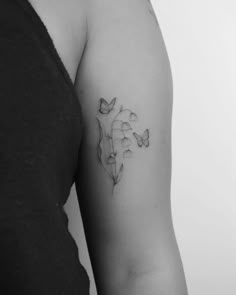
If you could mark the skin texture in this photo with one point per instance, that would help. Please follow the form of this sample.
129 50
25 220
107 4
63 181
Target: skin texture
115 55
125 201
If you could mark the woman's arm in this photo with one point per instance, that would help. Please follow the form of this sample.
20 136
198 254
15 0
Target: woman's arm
125 89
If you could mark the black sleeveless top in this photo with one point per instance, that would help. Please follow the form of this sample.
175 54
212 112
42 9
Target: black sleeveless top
40 134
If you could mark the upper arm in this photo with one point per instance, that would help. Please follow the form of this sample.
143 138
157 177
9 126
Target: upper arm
124 172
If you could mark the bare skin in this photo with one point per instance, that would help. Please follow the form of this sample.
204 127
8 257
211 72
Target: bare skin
115 55
65 21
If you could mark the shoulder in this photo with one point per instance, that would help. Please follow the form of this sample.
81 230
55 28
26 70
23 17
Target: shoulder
100 11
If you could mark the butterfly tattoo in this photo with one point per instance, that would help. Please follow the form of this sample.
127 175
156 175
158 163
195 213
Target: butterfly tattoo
106 107
142 139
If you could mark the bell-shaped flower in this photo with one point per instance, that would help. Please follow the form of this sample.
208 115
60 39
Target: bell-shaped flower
132 117
126 126
126 141
111 159
127 153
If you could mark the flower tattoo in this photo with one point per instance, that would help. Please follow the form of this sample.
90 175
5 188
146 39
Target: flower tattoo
117 137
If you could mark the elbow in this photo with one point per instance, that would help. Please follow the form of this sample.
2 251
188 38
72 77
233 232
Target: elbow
137 271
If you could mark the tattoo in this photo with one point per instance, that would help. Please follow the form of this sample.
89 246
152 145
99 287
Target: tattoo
116 138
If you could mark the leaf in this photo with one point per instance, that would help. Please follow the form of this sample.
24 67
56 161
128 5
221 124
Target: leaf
118 177
99 153
99 149
104 145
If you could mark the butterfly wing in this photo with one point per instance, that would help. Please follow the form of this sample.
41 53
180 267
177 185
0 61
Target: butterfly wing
104 106
145 134
138 139
111 104
146 142
145 138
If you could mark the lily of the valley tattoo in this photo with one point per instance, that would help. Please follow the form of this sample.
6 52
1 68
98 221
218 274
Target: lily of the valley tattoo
116 137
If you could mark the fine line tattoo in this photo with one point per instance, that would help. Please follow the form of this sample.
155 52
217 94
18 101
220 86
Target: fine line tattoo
116 137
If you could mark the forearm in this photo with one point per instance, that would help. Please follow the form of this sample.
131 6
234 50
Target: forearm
158 273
